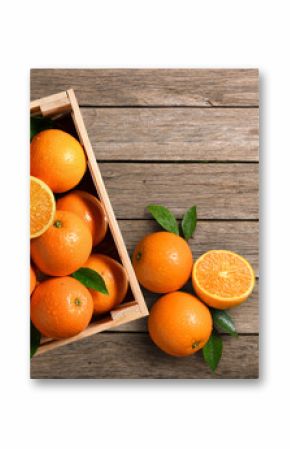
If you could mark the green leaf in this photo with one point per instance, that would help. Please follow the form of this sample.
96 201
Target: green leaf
212 351
91 279
38 124
164 217
188 223
34 339
223 322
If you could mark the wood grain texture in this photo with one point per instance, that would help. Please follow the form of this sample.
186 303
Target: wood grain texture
151 87
153 132
190 134
221 191
134 356
241 237
246 316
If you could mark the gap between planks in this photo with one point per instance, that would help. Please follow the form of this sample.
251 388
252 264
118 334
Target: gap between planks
203 220
172 161
220 190
241 334
160 106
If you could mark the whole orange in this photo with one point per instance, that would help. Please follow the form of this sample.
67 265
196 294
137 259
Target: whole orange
32 279
61 307
162 262
116 281
179 324
58 159
90 209
64 247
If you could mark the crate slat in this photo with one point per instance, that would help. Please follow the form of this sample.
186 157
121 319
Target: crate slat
102 192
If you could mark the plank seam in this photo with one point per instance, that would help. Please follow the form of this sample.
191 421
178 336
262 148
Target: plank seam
172 161
174 106
204 220
241 334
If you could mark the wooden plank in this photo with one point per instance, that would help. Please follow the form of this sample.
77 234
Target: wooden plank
134 356
189 134
221 191
151 87
241 237
52 105
245 316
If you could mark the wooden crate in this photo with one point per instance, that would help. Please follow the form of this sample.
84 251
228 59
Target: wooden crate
64 106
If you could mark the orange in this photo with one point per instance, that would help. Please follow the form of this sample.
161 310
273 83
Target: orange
162 262
223 279
179 324
90 209
116 281
64 247
61 307
42 207
32 279
58 159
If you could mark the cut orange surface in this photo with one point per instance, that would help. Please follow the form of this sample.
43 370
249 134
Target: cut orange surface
42 207
223 279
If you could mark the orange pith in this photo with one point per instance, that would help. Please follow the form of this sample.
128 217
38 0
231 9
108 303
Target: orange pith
223 278
42 207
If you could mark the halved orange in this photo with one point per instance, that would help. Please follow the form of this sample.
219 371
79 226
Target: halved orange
223 279
42 207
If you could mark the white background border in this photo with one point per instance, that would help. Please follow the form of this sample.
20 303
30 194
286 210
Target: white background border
171 414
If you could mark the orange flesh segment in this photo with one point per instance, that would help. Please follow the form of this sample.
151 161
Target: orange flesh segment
224 275
42 207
